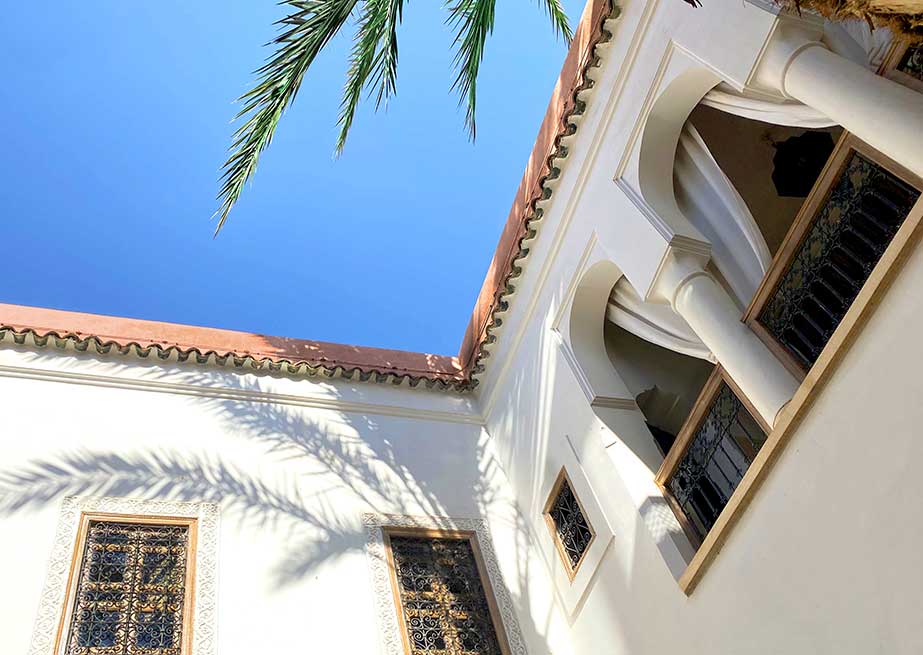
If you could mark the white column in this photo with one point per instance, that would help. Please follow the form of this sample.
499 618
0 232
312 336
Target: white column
714 317
879 111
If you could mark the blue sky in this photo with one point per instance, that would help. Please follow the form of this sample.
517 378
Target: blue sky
116 120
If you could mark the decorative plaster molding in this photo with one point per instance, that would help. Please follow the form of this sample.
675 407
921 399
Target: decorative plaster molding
572 591
246 395
608 402
563 310
567 352
386 610
51 604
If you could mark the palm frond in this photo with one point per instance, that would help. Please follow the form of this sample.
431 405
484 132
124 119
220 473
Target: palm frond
473 21
559 19
373 61
304 33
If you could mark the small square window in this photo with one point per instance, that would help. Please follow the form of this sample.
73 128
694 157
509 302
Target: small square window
567 521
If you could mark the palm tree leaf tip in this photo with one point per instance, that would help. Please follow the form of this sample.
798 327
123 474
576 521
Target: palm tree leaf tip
308 28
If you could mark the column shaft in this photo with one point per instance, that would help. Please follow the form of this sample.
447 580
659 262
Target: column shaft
715 318
879 111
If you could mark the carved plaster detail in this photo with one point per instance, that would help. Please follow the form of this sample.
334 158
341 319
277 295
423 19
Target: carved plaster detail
386 610
51 603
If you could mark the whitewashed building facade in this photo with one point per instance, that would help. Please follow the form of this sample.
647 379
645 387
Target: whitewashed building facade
685 416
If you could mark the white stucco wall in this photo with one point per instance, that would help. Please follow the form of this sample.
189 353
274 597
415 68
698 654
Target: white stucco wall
824 561
292 479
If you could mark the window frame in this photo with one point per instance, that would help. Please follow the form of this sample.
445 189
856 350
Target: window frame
570 569
65 624
685 438
812 206
438 533
889 67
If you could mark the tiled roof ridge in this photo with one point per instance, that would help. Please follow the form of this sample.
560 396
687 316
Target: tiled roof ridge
79 332
43 328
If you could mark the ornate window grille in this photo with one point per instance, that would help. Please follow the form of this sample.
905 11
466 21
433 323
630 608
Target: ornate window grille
847 222
131 592
445 604
712 452
567 521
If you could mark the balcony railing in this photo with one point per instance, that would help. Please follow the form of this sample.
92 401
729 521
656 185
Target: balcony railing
711 454
847 222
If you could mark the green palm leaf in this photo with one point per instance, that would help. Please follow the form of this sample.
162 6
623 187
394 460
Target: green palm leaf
373 67
304 34
374 55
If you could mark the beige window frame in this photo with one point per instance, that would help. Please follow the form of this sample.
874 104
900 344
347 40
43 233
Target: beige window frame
889 68
469 536
813 205
77 562
571 569
686 435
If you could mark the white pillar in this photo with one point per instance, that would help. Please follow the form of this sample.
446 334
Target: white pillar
879 111
714 317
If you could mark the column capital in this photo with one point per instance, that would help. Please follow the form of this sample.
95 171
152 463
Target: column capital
678 266
792 35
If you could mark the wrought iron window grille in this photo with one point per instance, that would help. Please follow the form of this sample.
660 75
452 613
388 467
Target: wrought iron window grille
566 519
711 455
131 591
853 213
444 603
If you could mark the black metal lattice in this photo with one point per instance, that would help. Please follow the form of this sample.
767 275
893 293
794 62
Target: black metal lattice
570 525
912 62
863 212
720 452
131 590
443 602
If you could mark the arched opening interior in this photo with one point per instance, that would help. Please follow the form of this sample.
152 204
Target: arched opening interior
772 167
664 383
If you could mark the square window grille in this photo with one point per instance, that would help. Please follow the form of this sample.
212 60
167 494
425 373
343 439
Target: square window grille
569 526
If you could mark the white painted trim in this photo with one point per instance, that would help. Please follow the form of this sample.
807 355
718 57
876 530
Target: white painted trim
609 402
570 357
51 605
391 643
573 592
568 299
224 393
588 166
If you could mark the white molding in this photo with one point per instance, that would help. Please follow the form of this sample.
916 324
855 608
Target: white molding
609 402
588 166
53 598
567 352
224 393
572 592
386 610
568 298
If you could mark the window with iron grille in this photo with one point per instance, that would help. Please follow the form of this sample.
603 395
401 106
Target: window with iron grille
132 589
445 605
713 451
568 524
832 250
